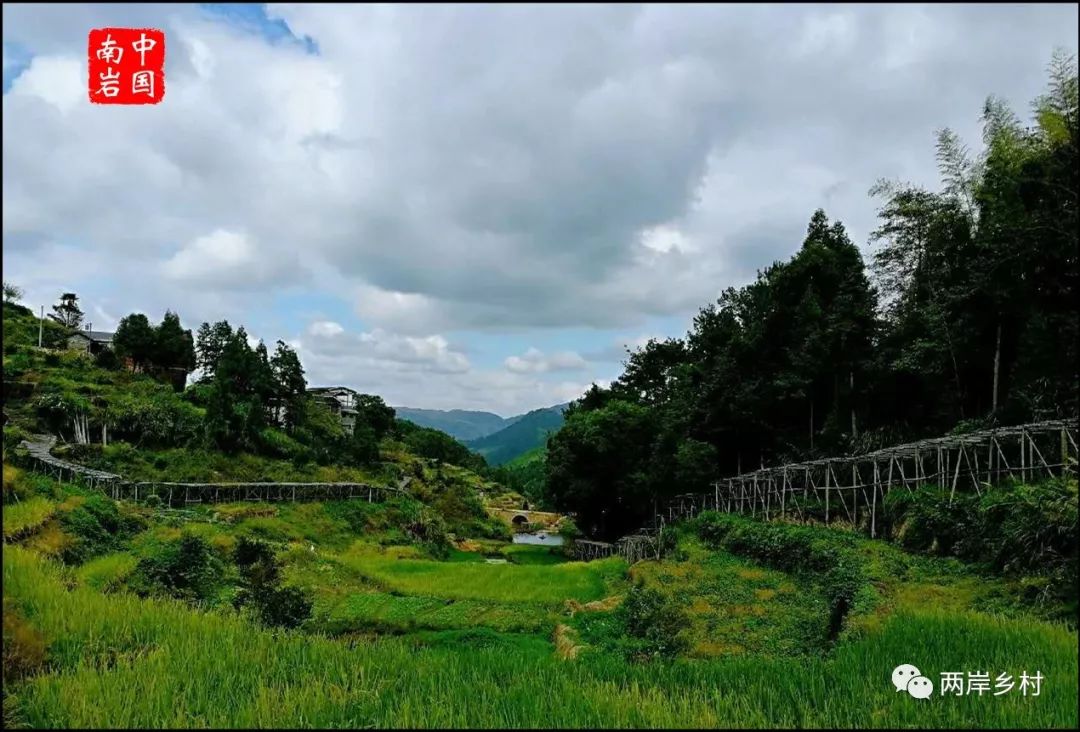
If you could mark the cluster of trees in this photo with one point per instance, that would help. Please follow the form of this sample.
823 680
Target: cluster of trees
156 349
970 320
437 445
259 401
245 389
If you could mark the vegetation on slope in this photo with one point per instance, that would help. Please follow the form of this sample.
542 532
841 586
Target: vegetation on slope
77 657
461 424
527 433
969 319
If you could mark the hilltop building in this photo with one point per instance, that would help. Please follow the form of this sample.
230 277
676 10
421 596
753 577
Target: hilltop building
341 400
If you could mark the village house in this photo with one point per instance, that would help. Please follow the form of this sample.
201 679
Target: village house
341 400
91 342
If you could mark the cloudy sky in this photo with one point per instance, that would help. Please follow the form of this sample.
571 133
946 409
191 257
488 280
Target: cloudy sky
476 207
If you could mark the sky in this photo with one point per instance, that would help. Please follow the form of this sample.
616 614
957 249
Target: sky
477 207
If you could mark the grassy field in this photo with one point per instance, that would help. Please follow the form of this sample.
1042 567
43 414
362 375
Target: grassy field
26 516
401 636
546 584
120 661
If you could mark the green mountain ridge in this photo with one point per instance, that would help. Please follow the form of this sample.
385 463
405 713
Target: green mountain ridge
527 433
461 424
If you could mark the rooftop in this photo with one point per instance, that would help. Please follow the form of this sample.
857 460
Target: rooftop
94 335
323 389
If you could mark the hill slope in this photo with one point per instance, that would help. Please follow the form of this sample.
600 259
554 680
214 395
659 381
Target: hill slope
528 432
459 423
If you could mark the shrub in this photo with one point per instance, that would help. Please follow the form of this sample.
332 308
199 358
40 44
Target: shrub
656 623
13 437
429 529
284 607
804 549
15 365
568 530
275 443
106 359
275 606
153 415
186 569
1013 528
927 520
97 527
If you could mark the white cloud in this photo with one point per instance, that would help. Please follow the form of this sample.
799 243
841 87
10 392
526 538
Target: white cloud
58 80
325 329
227 258
428 353
453 169
427 371
534 361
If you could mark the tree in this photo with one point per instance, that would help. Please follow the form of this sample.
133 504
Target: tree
976 319
291 386
372 411
274 605
12 293
67 312
174 346
235 413
136 339
210 342
599 466
362 446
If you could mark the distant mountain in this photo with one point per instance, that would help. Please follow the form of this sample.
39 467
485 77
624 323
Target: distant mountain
459 423
527 432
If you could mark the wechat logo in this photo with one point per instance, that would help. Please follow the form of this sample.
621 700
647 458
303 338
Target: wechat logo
906 677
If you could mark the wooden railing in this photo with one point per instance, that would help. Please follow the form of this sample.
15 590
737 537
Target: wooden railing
851 487
40 458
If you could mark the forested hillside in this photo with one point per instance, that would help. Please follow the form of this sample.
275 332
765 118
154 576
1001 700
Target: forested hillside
461 424
526 433
247 417
965 317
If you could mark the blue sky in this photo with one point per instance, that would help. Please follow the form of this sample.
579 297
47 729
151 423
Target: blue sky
476 206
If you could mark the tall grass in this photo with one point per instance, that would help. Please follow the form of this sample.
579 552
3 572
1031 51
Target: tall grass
119 661
500 582
23 517
107 573
381 611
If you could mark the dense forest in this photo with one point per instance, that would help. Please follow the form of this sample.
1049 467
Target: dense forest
964 318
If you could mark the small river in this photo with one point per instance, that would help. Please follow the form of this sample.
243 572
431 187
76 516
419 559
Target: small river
542 538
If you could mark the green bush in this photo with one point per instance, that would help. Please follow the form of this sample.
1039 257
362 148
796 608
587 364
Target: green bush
152 415
1027 531
655 623
275 443
926 520
13 436
428 528
568 530
106 359
186 569
284 607
97 527
810 550
275 606
16 365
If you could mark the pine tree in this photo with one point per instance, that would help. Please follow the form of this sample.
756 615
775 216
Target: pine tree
67 312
